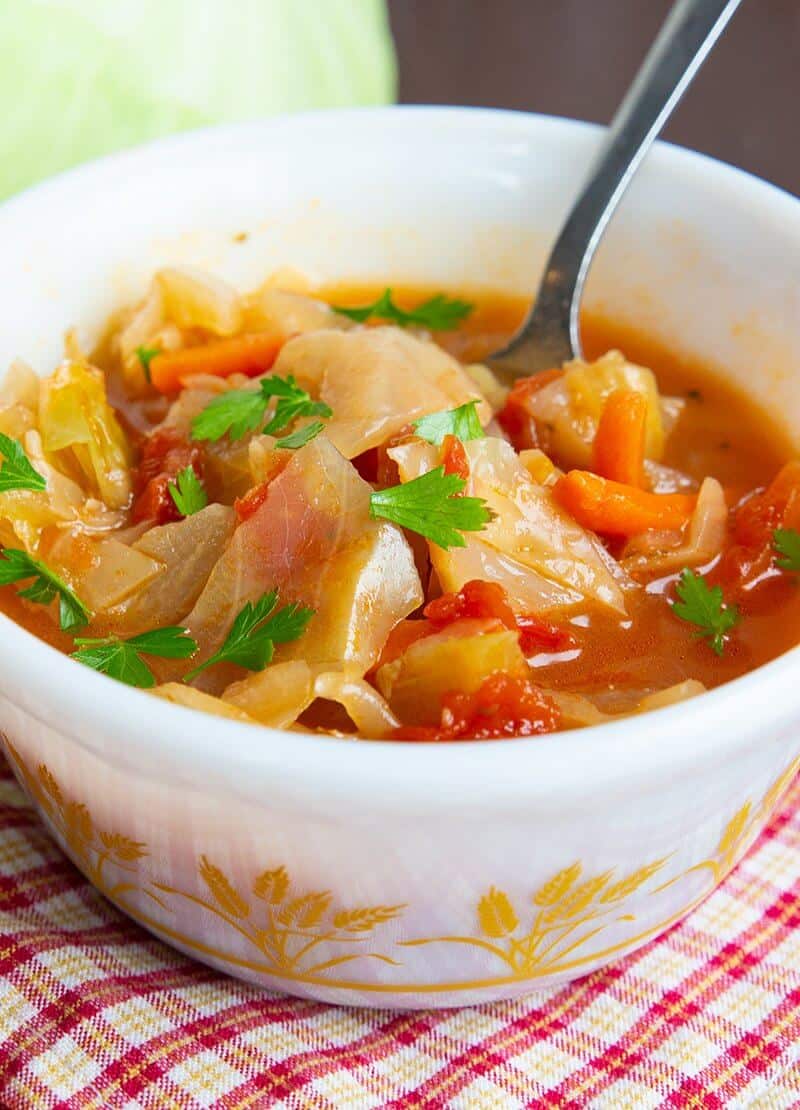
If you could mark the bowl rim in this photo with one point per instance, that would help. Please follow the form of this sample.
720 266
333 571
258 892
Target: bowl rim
424 778
514 121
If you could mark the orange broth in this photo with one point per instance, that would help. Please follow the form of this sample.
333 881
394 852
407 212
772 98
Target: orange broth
720 433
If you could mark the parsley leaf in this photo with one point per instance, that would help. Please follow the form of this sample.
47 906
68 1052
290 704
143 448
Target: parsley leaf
704 606
236 413
301 437
439 313
172 642
255 631
122 659
292 402
430 505
786 542
16 566
240 411
187 492
17 471
146 356
462 422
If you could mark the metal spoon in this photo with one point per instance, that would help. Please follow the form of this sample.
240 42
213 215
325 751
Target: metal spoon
551 332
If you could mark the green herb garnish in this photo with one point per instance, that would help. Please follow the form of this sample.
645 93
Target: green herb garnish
122 659
250 642
301 437
704 606
440 313
17 471
16 566
146 356
431 506
240 411
462 422
236 413
187 492
786 542
292 402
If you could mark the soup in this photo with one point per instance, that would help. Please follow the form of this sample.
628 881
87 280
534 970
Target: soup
321 510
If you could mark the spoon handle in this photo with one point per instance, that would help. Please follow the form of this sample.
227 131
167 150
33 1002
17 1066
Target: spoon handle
551 333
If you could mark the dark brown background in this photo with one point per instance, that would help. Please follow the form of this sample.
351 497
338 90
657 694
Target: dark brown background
576 57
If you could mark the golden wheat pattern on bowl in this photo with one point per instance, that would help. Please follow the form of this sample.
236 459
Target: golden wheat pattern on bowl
284 925
304 935
287 926
565 913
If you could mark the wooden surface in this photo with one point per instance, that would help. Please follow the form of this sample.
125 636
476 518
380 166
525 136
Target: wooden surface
576 57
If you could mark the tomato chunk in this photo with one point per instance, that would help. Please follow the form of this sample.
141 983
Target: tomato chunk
536 635
478 599
751 553
475 599
367 464
515 417
165 452
454 457
252 501
503 706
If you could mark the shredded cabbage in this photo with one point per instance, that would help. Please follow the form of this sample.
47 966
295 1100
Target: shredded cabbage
80 430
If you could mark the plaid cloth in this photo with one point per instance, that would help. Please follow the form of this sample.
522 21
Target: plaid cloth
96 1013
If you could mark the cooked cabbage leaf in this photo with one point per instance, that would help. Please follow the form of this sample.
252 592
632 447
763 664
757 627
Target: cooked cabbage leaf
312 539
377 381
534 549
82 433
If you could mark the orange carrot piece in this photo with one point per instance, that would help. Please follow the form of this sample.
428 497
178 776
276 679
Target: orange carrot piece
615 509
246 354
618 449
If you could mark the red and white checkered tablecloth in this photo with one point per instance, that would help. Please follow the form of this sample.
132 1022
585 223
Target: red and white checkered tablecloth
95 1013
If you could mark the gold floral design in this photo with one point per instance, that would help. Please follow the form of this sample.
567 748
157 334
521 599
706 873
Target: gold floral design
739 833
286 926
91 847
567 911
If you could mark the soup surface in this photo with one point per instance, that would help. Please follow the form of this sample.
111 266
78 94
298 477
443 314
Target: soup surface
342 520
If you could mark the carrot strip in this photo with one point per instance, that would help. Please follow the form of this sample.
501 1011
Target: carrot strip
618 449
246 354
615 509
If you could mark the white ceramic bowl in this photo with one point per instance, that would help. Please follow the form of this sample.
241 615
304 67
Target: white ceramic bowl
381 874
